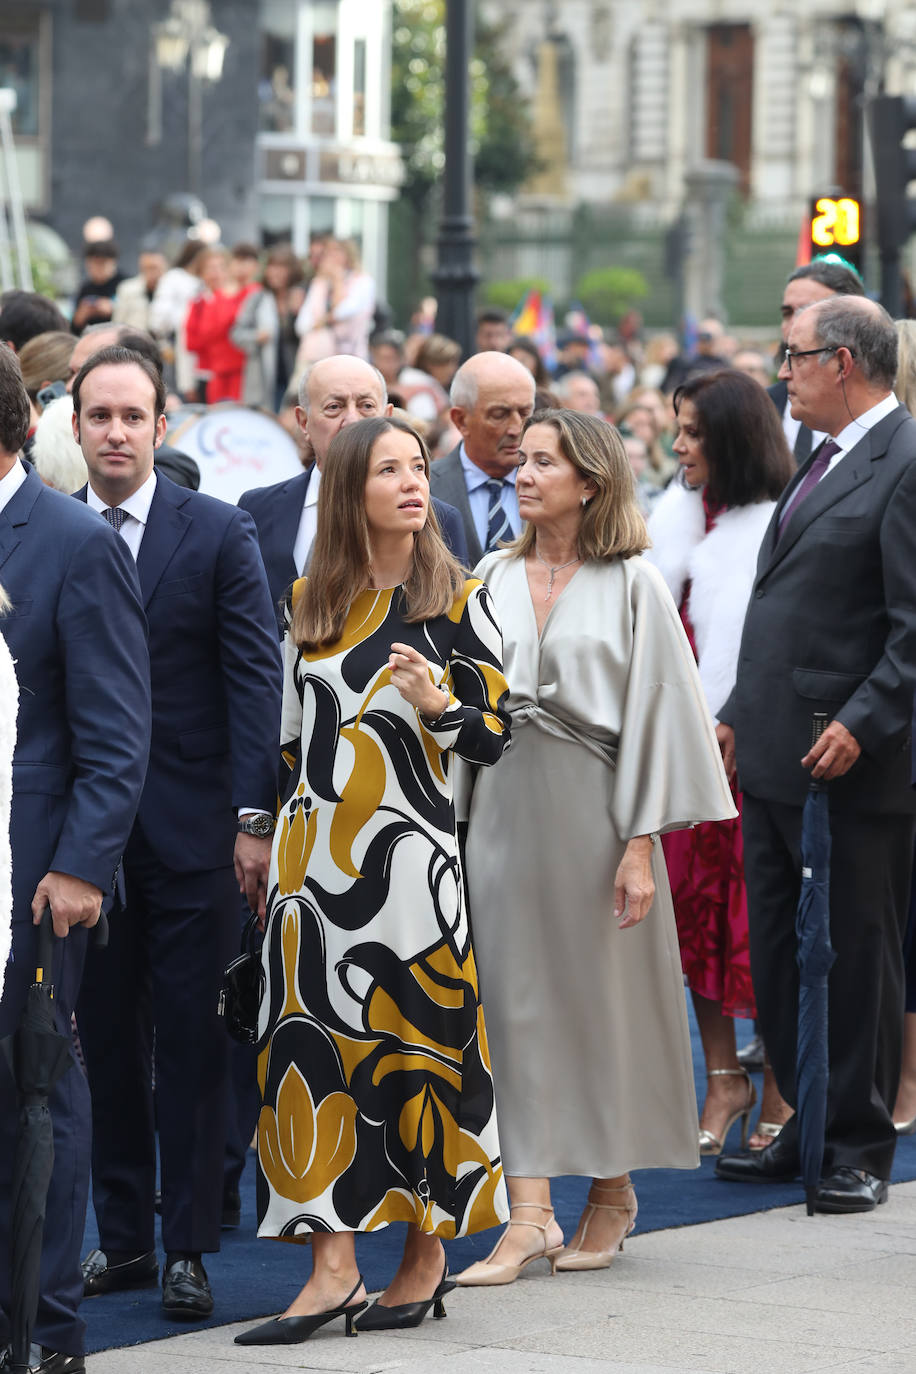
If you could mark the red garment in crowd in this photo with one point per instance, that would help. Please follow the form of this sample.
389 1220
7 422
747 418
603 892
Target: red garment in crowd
706 872
207 327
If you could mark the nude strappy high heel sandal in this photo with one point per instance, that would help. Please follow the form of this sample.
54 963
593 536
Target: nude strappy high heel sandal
580 1258
711 1144
483 1274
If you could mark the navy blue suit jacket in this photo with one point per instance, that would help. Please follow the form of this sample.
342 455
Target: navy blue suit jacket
77 633
216 677
276 511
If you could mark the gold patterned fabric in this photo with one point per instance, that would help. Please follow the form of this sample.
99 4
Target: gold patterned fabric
373 1064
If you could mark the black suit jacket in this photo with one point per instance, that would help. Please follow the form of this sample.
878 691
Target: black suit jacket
276 511
831 627
779 395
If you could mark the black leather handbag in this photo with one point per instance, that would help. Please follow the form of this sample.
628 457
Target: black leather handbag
243 983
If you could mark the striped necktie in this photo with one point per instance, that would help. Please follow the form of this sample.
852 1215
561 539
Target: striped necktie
115 516
498 526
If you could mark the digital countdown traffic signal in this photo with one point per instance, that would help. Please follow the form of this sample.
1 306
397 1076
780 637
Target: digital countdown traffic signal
837 227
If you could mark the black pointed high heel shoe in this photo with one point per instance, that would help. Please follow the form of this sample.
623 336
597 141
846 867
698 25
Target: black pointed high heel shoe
380 1318
293 1330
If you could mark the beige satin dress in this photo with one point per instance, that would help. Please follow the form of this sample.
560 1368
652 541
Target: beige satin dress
611 738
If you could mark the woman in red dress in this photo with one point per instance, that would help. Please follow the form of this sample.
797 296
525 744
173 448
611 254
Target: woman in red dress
208 325
706 532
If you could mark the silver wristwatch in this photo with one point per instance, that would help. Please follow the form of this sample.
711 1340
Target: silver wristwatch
261 823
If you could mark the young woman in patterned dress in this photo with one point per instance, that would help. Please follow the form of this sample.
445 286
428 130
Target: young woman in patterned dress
374 1071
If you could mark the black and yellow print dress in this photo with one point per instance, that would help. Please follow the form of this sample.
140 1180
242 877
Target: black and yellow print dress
373 1066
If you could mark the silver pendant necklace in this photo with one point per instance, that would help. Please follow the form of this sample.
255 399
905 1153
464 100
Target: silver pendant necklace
552 572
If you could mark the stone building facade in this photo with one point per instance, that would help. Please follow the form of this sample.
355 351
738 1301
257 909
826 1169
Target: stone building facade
647 88
656 99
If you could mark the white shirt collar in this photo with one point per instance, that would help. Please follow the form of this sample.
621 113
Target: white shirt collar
11 483
137 504
311 491
475 476
856 429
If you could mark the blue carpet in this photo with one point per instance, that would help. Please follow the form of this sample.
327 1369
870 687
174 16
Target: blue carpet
252 1278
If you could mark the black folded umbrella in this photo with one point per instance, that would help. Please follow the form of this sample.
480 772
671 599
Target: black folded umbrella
38 1055
815 956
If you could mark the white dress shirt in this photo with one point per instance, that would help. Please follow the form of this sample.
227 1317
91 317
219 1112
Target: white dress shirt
856 429
308 523
11 483
136 512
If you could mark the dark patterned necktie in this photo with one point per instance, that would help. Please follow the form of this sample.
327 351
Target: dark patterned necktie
814 474
115 516
498 526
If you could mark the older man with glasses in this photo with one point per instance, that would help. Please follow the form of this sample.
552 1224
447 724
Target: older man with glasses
831 628
813 281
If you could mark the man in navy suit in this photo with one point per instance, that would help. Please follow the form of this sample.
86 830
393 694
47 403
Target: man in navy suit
333 393
77 634
208 804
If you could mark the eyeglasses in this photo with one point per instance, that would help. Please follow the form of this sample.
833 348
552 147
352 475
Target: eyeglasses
790 357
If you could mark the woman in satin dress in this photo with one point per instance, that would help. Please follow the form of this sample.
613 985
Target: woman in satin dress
577 947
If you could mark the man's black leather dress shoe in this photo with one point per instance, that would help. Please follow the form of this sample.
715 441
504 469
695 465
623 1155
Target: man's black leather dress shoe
101 1277
776 1164
186 1292
849 1190
42 1360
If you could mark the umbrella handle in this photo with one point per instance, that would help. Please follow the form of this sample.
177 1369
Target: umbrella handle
45 959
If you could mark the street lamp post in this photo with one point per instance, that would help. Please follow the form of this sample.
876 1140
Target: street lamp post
187 33
455 276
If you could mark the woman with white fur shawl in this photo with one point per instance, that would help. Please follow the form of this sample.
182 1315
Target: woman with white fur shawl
706 531
9 704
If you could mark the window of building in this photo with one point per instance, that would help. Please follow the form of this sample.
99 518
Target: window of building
276 215
730 77
324 67
277 82
20 52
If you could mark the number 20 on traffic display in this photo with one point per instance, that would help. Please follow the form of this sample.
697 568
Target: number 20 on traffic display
836 223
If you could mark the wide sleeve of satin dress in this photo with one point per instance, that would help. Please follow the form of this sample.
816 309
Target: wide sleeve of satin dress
378 1101
611 738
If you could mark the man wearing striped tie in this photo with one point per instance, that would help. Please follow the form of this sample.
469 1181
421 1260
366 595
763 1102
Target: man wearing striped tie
492 396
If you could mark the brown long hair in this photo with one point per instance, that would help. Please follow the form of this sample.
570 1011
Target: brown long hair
612 525
339 569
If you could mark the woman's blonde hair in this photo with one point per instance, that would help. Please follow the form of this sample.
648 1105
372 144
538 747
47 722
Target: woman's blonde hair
46 358
612 525
905 385
4 601
340 569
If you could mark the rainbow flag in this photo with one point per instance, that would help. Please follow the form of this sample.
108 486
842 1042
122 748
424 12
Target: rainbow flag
533 316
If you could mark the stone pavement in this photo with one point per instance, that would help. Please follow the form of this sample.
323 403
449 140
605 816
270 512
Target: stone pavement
771 1293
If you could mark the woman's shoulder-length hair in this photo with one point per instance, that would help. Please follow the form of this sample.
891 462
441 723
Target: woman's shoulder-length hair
743 440
612 524
340 569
